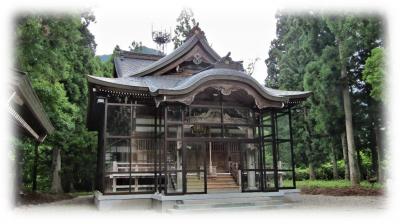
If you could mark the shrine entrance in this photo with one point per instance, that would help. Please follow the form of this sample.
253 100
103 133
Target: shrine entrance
223 162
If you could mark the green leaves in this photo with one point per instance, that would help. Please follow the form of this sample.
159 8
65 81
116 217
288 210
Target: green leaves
374 72
305 56
58 51
186 22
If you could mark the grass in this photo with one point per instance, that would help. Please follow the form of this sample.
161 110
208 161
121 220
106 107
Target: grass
83 193
334 184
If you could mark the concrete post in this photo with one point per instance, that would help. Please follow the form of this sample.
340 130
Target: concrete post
250 154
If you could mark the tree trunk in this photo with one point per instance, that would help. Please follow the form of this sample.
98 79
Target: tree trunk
345 157
380 175
311 171
353 163
56 165
34 168
334 162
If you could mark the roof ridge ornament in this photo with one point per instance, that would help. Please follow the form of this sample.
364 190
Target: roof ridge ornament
196 30
227 62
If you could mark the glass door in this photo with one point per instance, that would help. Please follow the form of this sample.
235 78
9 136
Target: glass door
251 170
195 167
270 181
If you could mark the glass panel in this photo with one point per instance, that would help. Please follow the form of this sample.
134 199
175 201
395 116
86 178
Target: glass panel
240 132
251 180
250 156
175 182
195 182
285 179
118 120
116 183
117 155
269 181
195 156
205 115
117 165
174 155
283 126
284 156
267 118
145 115
143 157
195 162
268 156
174 131
142 182
238 116
174 113
202 130
143 131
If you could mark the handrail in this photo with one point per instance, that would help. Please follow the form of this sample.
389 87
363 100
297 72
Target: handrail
235 171
172 181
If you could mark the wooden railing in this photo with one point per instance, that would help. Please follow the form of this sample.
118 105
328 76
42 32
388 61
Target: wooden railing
235 172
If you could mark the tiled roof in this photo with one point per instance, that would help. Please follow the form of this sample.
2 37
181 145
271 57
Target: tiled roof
133 66
128 63
176 85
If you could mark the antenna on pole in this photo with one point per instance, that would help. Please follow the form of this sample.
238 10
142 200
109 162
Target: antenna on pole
161 38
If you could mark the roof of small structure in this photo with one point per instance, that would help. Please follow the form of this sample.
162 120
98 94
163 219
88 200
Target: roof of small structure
127 63
21 85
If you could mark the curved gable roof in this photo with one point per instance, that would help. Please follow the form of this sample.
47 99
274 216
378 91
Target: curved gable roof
177 85
187 46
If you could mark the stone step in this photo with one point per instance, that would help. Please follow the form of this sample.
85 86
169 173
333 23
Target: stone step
223 200
224 207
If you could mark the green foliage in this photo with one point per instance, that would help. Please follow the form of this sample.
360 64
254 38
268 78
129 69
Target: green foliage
306 56
186 22
58 52
136 47
330 184
322 172
373 73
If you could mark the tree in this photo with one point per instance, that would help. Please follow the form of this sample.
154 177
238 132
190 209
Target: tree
251 66
374 72
305 56
136 46
186 22
58 52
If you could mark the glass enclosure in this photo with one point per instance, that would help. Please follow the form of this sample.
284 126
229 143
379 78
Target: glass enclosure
179 149
130 149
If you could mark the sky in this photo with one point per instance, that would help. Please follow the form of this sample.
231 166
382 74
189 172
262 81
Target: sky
244 30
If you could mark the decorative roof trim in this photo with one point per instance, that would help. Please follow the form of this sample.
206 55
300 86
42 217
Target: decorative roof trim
212 77
177 53
21 83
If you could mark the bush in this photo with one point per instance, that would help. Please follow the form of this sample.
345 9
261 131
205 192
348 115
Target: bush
302 174
323 172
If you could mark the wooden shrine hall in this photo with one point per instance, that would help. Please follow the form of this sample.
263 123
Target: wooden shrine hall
190 122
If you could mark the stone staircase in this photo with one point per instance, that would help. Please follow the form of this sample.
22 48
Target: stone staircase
223 182
231 202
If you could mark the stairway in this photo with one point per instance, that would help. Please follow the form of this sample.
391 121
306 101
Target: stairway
229 202
223 182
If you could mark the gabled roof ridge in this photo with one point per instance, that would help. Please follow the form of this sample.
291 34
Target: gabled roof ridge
135 55
197 37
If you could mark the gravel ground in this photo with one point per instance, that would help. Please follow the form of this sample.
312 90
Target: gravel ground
306 202
345 203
